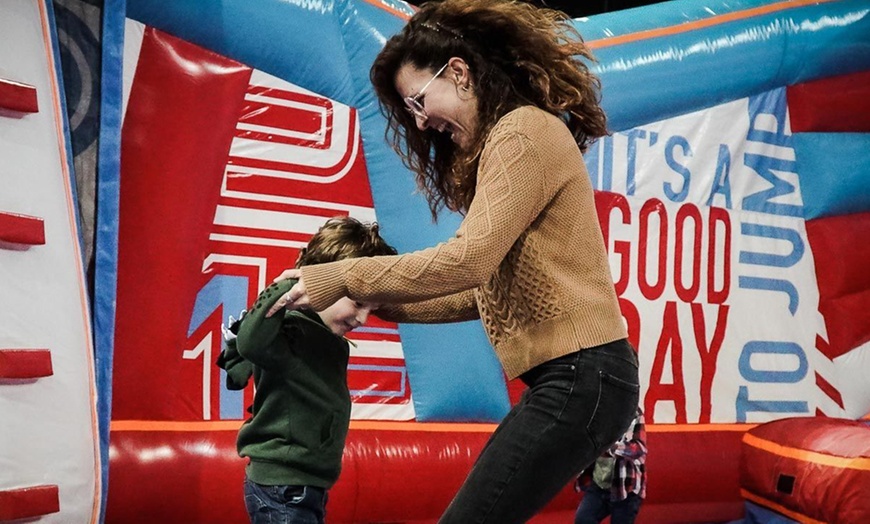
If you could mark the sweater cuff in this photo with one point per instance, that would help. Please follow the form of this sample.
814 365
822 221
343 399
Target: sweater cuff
325 283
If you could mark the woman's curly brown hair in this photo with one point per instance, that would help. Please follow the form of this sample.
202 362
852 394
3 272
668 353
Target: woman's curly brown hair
517 55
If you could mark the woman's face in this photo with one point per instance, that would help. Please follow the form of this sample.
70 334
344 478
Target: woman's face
443 105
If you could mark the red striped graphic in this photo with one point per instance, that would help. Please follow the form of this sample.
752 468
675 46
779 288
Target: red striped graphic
378 380
829 390
350 190
280 206
292 167
260 233
269 217
267 111
268 115
374 337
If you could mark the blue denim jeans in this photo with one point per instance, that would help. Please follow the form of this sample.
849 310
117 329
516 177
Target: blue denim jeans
597 504
575 407
284 504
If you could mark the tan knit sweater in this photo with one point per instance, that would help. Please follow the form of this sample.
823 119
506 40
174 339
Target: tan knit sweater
528 259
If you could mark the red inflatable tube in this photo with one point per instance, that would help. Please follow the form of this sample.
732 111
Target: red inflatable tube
396 472
813 469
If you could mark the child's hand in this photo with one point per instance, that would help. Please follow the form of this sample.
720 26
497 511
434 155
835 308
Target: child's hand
230 330
296 298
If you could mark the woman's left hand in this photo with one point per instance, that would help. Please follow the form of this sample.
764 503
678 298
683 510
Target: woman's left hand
296 298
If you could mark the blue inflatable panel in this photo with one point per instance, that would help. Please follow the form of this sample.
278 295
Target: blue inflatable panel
656 78
106 247
454 374
655 16
834 173
300 42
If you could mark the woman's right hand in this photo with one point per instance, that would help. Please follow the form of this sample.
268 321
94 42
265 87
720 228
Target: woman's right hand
288 273
296 298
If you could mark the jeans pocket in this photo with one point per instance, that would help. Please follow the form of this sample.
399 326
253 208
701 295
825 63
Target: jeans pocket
560 372
257 503
614 408
254 504
631 387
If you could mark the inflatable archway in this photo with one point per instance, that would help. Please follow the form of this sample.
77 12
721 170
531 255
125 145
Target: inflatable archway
733 193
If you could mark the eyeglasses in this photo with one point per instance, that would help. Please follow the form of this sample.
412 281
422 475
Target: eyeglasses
414 104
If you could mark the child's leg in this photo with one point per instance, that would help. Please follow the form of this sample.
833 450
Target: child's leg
625 511
284 504
594 506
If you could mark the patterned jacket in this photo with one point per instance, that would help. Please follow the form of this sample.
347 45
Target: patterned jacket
629 472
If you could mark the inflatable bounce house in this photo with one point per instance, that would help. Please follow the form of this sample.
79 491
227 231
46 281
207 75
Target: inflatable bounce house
733 192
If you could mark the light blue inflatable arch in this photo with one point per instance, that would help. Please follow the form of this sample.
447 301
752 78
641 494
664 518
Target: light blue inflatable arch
328 46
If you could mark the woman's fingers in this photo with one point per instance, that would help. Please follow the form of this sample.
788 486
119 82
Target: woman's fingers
288 273
296 298
290 299
279 304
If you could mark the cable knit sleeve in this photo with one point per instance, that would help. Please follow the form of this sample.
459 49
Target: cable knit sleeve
458 307
512 189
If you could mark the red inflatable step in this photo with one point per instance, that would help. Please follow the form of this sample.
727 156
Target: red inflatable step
812 469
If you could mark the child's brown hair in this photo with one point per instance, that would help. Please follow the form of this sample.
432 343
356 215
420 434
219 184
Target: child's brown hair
344 237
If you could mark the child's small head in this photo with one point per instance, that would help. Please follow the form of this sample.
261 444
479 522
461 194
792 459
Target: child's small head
340 238
343 237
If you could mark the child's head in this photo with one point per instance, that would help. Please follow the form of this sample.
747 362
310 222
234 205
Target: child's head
340 238
343 237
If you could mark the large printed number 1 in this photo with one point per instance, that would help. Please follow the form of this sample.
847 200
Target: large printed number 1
222 295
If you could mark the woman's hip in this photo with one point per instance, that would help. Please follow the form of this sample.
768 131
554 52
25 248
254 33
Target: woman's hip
594 390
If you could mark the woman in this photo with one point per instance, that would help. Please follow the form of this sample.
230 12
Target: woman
489 106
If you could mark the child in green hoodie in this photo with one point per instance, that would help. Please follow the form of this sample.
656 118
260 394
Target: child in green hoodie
295 439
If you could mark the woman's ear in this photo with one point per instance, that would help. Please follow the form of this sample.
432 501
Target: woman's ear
459 72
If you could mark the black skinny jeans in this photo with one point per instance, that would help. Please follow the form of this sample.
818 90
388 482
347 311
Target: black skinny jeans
576 406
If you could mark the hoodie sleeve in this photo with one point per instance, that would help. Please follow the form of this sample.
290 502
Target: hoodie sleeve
239 370
265 341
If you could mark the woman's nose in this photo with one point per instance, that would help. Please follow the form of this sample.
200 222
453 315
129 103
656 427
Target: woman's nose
362 316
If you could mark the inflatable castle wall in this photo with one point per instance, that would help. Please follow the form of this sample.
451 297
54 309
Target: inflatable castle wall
733 192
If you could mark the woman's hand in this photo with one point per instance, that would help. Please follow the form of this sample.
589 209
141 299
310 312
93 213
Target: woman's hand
288 273
296 298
